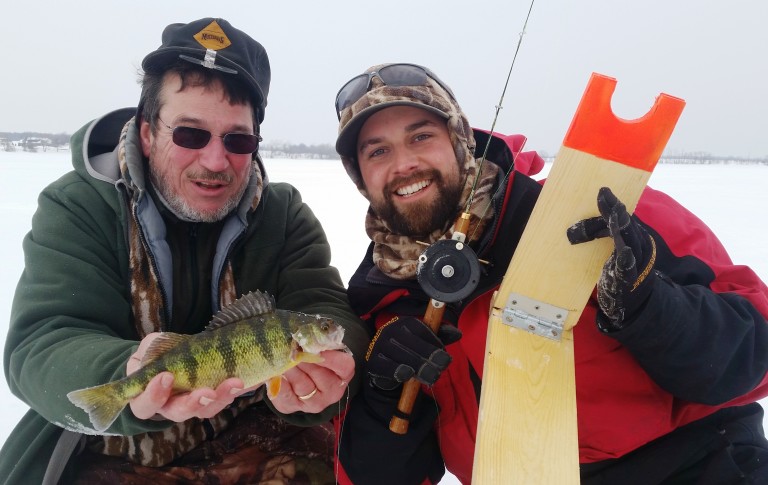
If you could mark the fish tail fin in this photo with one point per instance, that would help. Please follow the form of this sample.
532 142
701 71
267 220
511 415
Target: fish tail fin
273 386
102 403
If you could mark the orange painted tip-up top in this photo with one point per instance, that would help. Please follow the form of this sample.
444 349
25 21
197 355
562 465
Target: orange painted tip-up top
637 143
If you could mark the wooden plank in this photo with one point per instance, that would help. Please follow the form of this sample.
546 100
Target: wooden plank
527 431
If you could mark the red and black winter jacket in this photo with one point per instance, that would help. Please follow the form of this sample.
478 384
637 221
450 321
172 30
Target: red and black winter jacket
687 367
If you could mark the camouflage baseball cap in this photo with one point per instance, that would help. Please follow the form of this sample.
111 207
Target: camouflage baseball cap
432 95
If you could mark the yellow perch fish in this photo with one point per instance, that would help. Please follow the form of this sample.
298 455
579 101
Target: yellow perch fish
249 339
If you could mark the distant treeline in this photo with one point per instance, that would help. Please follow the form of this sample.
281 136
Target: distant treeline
325 151
700 159
35 141
705 158
32 141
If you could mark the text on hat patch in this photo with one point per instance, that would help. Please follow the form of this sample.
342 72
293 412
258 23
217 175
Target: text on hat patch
213 37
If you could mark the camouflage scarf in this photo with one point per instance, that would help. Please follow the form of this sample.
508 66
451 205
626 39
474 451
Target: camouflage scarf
397 255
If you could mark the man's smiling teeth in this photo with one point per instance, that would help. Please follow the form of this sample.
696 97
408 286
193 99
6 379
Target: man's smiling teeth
410 189
209 185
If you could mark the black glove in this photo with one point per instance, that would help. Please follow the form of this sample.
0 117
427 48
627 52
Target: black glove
404 348
624 284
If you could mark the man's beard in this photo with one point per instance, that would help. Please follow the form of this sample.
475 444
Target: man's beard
183 209
419 220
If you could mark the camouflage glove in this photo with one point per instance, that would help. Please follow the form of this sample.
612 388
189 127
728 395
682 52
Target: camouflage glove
624 284
404 348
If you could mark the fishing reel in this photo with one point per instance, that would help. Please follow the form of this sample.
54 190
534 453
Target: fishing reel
448 271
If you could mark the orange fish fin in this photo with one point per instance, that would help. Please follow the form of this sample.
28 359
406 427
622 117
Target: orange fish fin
273 386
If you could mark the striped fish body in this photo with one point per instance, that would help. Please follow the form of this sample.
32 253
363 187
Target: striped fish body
249 339
254 350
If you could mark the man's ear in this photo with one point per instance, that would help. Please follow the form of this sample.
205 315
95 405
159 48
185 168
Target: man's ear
145 133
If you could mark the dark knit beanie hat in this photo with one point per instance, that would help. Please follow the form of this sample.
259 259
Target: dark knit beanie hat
215 44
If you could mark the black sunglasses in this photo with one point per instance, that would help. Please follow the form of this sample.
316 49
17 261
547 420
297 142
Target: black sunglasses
197 138
390 75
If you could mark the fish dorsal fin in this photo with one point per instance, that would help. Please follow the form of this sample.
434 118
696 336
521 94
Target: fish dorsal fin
162 344
249 305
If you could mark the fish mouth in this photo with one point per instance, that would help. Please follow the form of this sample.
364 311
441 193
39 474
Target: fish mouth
316 342
413 188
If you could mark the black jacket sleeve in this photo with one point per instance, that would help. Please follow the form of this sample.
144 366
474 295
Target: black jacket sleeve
700 335
699 345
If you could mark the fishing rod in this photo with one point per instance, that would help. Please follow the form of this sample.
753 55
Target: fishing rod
498 110
449 270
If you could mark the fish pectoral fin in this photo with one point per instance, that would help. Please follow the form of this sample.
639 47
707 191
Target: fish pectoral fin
162 344
273 386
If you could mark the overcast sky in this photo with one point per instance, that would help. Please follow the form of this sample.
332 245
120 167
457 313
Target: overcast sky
65 63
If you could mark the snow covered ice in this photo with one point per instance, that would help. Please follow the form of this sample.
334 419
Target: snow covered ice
729 198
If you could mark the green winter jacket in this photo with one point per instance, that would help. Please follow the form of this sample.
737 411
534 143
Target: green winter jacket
71 321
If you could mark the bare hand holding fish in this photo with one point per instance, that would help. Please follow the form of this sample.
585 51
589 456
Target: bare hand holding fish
324 382
246 344
159 397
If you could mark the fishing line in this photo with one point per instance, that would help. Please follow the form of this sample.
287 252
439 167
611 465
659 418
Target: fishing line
440 268
338 436
493 126
439 426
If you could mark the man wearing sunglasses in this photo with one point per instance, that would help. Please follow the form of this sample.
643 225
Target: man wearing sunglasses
671 353
167 217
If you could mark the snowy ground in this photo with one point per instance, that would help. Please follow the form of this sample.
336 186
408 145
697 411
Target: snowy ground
731 199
